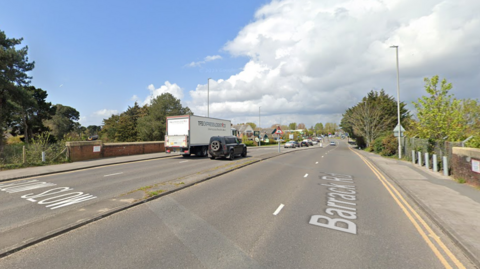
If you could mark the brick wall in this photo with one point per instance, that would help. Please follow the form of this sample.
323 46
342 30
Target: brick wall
84 150
462 164
132 148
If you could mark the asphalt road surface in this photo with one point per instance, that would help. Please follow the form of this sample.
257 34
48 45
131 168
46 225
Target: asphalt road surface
316 208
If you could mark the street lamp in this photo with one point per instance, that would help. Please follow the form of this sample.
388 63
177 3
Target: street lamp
398 108
259 128
208 98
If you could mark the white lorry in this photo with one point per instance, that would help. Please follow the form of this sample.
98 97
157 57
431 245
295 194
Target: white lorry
190 134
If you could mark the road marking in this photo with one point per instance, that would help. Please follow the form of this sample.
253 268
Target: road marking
113 174
316 163
91 168
306 175
404 205
322 156
278 209
183 161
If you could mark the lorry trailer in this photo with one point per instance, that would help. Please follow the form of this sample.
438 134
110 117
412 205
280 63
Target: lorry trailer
189 134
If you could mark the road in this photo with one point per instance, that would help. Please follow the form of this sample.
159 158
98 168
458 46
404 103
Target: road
277 213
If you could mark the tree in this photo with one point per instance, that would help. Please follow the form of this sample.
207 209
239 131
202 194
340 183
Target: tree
253 125
439 115
374 116
301 126
292 126
127 125
14 66
34 110
109 129
63 121
93 130
153 126
319 128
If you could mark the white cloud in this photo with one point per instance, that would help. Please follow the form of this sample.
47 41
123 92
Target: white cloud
311 60
173 89
206 59
105 112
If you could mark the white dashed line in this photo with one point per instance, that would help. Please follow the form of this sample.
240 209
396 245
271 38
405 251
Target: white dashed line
183 161
306 175
278 209
317 162
113 174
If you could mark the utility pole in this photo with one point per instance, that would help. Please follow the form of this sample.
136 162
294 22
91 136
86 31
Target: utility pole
398 108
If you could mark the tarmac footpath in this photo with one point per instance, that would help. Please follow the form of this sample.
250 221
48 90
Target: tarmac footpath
454 207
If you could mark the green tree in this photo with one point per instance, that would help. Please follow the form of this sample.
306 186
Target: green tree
319 128
292 126
152 127
93 130
439 114
374 116
109 129
14 66
34 110
253 125
64 121
127 125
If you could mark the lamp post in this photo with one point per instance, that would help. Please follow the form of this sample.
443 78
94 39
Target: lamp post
208 98
259 128
398 108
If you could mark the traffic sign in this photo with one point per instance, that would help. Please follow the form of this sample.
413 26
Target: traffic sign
279 131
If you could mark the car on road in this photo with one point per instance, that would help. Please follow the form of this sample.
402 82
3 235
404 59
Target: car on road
304 144
291 144
333 143
226 147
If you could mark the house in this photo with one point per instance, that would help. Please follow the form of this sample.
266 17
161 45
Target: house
244 129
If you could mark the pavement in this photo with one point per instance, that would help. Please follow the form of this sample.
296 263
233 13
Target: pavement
454 207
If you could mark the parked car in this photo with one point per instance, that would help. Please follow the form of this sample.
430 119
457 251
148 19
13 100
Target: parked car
304 144
291 144
226 147
333 143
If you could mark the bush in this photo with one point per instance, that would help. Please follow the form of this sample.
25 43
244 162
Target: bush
474 142
15 140
390 145
377 144
249 143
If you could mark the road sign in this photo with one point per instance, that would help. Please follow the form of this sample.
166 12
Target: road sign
396 131
279 131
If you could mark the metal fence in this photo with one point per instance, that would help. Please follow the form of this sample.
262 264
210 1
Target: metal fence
32 154
438 147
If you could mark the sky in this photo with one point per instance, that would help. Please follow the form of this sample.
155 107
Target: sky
273 62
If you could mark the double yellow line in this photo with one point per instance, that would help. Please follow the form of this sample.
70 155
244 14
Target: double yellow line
416 219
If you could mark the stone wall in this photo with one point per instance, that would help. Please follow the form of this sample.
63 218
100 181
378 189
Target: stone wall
87 150
462 164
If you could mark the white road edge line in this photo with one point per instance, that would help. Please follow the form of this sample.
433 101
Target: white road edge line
113 174
183 161
278 209
306 175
